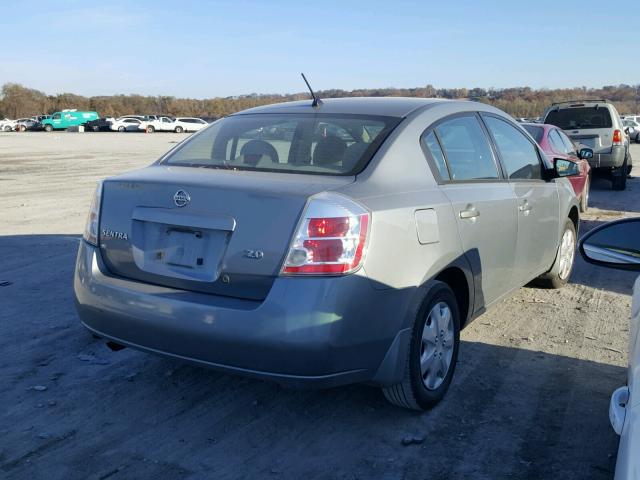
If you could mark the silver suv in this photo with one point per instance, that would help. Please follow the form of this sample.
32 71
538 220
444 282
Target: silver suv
596 124
330 244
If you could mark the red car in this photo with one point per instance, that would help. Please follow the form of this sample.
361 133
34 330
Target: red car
556 144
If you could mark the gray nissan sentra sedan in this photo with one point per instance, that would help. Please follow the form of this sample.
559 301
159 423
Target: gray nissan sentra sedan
330 244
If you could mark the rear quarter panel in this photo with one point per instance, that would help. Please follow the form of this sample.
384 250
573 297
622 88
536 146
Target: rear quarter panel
396 184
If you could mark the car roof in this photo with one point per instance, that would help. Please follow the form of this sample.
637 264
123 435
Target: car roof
384 106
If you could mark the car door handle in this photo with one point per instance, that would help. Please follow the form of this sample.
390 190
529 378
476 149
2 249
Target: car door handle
525 207
470 213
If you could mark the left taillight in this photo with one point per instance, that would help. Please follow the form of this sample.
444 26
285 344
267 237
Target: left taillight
331 238
93 219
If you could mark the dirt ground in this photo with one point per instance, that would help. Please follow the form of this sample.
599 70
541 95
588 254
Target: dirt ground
529 400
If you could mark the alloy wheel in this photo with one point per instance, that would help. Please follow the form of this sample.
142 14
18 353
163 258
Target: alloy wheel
436 350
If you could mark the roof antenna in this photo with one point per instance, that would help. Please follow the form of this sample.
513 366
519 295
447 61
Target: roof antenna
316 100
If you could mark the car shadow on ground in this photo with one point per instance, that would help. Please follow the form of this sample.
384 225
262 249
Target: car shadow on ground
601 195
510 413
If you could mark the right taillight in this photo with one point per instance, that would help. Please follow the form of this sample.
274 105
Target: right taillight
331 237
617 137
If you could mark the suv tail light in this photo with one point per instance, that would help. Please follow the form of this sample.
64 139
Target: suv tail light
617 137
91 229
331 237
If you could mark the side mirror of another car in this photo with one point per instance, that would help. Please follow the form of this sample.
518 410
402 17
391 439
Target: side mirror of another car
585 153
565 168
614 245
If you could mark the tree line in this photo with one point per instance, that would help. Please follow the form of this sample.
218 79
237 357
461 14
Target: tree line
17 101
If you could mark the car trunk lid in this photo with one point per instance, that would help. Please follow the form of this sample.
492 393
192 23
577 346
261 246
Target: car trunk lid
229 237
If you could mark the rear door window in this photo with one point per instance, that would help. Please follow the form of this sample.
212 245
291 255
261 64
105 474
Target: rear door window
467 149
519 156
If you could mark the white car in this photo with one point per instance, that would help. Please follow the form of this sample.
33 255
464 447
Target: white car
191 124
125 124
161 124
617 245
7 125
633 129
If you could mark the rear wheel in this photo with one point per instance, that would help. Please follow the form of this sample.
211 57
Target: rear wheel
122 129
150 129
562 267
48 128
638 138
619 176
178 130
7 128
584 199
433 352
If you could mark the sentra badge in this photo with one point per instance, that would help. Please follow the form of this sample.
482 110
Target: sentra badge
106 233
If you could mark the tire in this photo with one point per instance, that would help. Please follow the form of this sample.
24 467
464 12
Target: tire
619 177
413 392
150 129
122 129
560 274
48 128
95 128
584 199
7 128
638 138
178 130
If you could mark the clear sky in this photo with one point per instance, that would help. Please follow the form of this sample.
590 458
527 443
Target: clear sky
219 48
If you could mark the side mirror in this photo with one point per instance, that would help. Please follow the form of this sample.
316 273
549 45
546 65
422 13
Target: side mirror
585 153
614 245
565 168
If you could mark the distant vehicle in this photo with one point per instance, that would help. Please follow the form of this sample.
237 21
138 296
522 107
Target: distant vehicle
556 144
7 125
67 118
99 125
24 124
269 255
632 127
161 124
191 124
125 124
615 245
596 124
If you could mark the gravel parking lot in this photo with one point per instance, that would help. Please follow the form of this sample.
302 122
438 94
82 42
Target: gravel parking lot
529 400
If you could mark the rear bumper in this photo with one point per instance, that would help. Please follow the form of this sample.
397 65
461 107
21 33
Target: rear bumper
614 159
318 332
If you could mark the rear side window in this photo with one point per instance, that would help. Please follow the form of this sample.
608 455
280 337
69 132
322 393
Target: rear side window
467 150
518 154
556 142
431 143
330 144
570 148
578 118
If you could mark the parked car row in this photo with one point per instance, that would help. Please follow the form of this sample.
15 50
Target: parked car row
92 122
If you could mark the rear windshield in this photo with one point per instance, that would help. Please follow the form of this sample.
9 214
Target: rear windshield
580 118
535 132
291 143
